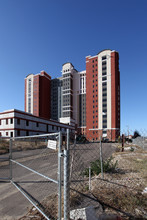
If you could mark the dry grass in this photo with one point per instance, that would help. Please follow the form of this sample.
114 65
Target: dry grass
4 146
122 191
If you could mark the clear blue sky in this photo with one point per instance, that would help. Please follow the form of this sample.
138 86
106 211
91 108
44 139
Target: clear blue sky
43 34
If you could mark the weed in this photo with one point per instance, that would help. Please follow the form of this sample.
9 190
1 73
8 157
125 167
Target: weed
108 166
131 149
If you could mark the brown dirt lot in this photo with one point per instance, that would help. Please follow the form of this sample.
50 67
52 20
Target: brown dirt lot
121 192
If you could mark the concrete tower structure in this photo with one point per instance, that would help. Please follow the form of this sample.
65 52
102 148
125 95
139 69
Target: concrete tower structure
74 96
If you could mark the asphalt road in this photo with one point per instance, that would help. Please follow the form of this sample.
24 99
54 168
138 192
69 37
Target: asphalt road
13 204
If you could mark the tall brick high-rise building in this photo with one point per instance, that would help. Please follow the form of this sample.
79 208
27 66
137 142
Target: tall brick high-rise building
38 95
90 98
103 95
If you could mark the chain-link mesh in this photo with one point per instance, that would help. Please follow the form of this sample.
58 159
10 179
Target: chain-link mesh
104 181
35 171
101 176
4 159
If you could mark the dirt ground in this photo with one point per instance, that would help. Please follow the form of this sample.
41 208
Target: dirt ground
122 192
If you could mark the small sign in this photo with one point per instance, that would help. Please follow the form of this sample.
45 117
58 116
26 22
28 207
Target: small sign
52 144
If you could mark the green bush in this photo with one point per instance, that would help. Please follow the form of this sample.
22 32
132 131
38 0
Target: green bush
108 167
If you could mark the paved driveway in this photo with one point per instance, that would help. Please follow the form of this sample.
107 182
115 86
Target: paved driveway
45 161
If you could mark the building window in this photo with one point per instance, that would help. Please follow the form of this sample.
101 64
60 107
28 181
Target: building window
18 133
104 63
104 73
104 78
37 124
104 94
103 57
104 83
11 120
27 133
6 133
0 122
104 126
52 127
27 123
6 121
104 89
0 134
11 133
18 121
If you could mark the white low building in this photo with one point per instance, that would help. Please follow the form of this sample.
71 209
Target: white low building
14 123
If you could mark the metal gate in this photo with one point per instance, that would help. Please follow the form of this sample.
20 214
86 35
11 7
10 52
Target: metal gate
4 159
37 167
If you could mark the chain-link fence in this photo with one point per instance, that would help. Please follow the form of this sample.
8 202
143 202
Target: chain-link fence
35 170
75 177
107 177
4 159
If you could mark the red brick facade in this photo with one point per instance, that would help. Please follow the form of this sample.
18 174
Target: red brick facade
41 95
91 97
93 132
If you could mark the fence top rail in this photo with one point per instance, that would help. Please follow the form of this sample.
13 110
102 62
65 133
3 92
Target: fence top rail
35 136
4 137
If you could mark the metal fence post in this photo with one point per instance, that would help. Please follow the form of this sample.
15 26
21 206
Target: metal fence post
101 157
123 141
72 157
10 157
143 142
59 178
89 177
66 179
